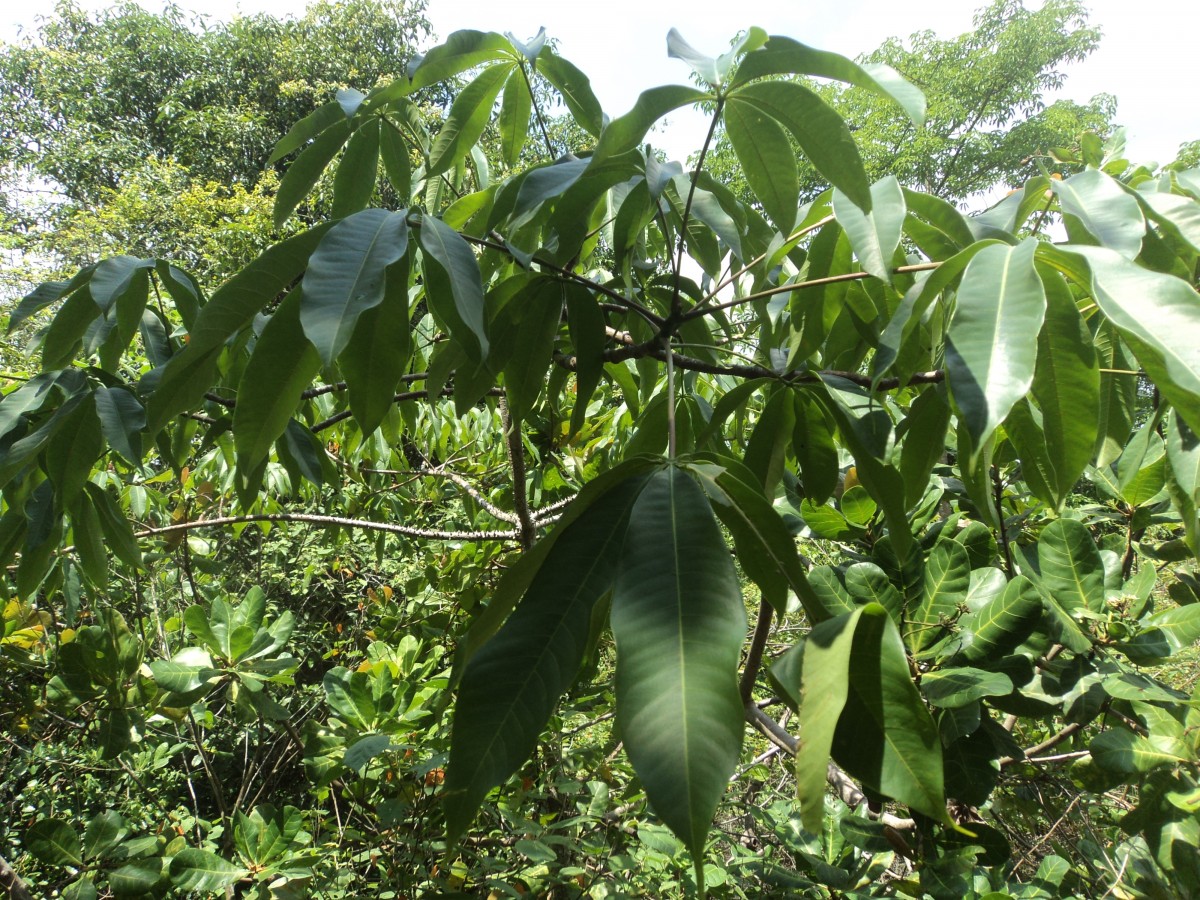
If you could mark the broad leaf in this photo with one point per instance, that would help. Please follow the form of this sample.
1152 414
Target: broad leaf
990 357
511 685
1105 209
199 870
468 116
1071 570
626 132
346 276
679 623
875 233
766 158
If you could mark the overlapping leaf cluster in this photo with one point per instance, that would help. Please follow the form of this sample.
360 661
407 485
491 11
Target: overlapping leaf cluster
874 369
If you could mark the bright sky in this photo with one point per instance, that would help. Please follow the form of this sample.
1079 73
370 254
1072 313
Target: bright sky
1146 59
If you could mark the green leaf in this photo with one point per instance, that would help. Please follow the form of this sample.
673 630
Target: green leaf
626 132
867 583
1071 570
306 129
64 337
191 372
1183 477
815 450
874 234
574 88
306 168
462 50
73 452
189 670
538 310
354 182
347 274
990 357
122 419
767 160
867 431
784 56
282 366
1066 385
1159 316
1111 215
199 870
55 843
379 352
118 533
885 735
137 878
679 624
468 117
958 687
364 750
511 685
515 110
585 322
393 153
453 285
924 446
947 577
822 134
823 690
703 66
1126 753
1002 623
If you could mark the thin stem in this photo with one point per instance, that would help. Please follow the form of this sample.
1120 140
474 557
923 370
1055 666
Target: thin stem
699 311
676 299
733 276
537 111
516 461
670 399
998 499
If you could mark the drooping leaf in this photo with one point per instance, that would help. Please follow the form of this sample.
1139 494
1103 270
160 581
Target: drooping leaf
511 685
354 182
189 374
515 109
283 364
781 55
679 623
453 285
122 419
379 351
885 735
821 133
302 174
1105 209
626 132
766 159
468 116
990 357
574 88
347 274
874 234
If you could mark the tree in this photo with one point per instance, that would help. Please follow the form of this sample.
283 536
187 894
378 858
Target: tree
161 122
887 406
987 122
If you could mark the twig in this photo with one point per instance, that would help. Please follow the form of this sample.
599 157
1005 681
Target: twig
515 446
314 519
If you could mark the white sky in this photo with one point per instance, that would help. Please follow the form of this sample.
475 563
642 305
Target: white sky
1147 57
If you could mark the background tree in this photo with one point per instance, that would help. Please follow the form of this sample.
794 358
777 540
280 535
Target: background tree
987 118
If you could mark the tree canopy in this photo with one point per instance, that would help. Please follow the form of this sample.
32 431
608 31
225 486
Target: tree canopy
987 120
500 527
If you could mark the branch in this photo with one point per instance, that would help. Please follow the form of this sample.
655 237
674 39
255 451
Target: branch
655 350
472 491
762 630
842 783
315 519
11 884
516 461
676 302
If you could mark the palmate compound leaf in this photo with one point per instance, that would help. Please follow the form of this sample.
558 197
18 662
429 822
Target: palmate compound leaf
510 686
679 623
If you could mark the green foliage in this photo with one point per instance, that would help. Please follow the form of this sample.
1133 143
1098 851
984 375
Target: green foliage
490 636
